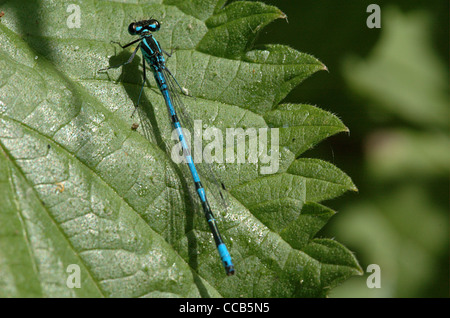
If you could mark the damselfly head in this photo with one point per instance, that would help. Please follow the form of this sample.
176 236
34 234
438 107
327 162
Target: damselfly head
144 26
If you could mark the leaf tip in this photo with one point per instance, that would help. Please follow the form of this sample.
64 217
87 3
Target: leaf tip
346 130
351 185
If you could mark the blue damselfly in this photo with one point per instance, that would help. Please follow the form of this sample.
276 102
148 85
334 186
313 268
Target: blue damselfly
153 55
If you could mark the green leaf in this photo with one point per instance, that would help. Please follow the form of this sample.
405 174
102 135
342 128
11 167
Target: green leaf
403 73
303 126
79 186
232 31
200 9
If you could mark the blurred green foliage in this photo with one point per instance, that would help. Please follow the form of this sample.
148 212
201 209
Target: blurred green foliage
390 87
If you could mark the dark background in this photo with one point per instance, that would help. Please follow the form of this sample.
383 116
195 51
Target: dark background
390 88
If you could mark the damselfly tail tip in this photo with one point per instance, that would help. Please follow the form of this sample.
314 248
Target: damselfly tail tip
230 270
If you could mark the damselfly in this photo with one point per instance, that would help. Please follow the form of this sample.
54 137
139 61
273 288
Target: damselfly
153 55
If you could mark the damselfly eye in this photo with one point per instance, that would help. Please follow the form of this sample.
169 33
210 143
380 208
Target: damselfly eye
153 25
132 29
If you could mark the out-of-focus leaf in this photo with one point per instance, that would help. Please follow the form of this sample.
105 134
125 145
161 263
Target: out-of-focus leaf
403 75
402 225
